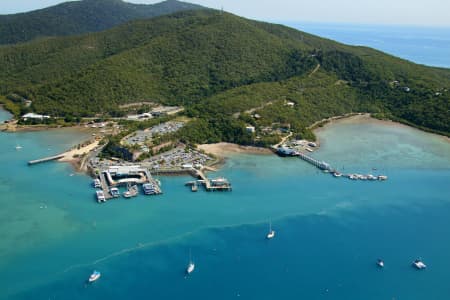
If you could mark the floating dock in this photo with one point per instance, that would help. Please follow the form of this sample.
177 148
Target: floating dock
211 185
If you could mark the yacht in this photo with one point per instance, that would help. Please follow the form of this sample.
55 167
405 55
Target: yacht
380 263
148 188
132 191
114 192
94 276
100 196
271 233
418 264
97 183
191 266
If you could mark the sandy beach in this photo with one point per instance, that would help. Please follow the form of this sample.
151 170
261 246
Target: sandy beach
223 149
74 153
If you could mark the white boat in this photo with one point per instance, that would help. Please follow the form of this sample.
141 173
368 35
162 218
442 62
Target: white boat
149 189
100 196
191 266
271 233
96 183
418 264
132 191
114 192
380 263
382 177
18 147
94 276
337 174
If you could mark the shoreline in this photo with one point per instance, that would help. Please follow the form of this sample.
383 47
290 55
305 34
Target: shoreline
223 149
367 118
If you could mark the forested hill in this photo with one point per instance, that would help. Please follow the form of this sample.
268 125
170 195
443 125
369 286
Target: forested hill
218 66
79 17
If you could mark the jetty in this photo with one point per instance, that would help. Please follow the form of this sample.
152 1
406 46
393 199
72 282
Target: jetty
284 151
45 159
211 185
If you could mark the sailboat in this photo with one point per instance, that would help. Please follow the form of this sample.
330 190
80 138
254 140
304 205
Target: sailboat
191 266
271 233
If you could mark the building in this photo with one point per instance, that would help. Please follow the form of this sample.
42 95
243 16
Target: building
34 116
250 129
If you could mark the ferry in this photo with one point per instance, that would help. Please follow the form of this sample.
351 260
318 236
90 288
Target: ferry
114 192
94 276
96 183
380 263
149 189
418 264
100 196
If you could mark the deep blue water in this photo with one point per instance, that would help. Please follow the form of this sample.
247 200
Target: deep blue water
329 231
423 45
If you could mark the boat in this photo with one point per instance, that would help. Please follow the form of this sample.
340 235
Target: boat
96 183
271 234
18 147
114 192
132 191
380 263
382 177
419 264
149 189
194 187
371 177
100 196
337 174
94 276
191 266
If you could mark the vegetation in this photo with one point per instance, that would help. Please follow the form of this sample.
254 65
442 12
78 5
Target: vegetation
79 17
223 69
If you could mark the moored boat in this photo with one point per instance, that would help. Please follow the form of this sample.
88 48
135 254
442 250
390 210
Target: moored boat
419 264
149 189
380 263
94 276
132 191
271 234
96 183
100 196
114 192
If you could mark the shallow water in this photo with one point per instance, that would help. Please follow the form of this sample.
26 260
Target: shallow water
329 231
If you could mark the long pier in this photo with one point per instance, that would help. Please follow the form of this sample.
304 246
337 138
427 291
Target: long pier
45 159
319 164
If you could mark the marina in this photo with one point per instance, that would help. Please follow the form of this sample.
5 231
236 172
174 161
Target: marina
109 181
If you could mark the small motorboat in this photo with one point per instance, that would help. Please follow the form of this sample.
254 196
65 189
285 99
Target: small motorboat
418 264
380 263
18 147
94 276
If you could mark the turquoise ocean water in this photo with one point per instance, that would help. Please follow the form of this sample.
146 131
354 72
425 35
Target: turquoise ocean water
329 231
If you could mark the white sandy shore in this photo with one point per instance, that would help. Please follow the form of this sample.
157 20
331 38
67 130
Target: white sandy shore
223 149
71 154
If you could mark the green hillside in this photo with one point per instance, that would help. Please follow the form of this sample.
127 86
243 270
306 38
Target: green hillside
219 65
79 17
